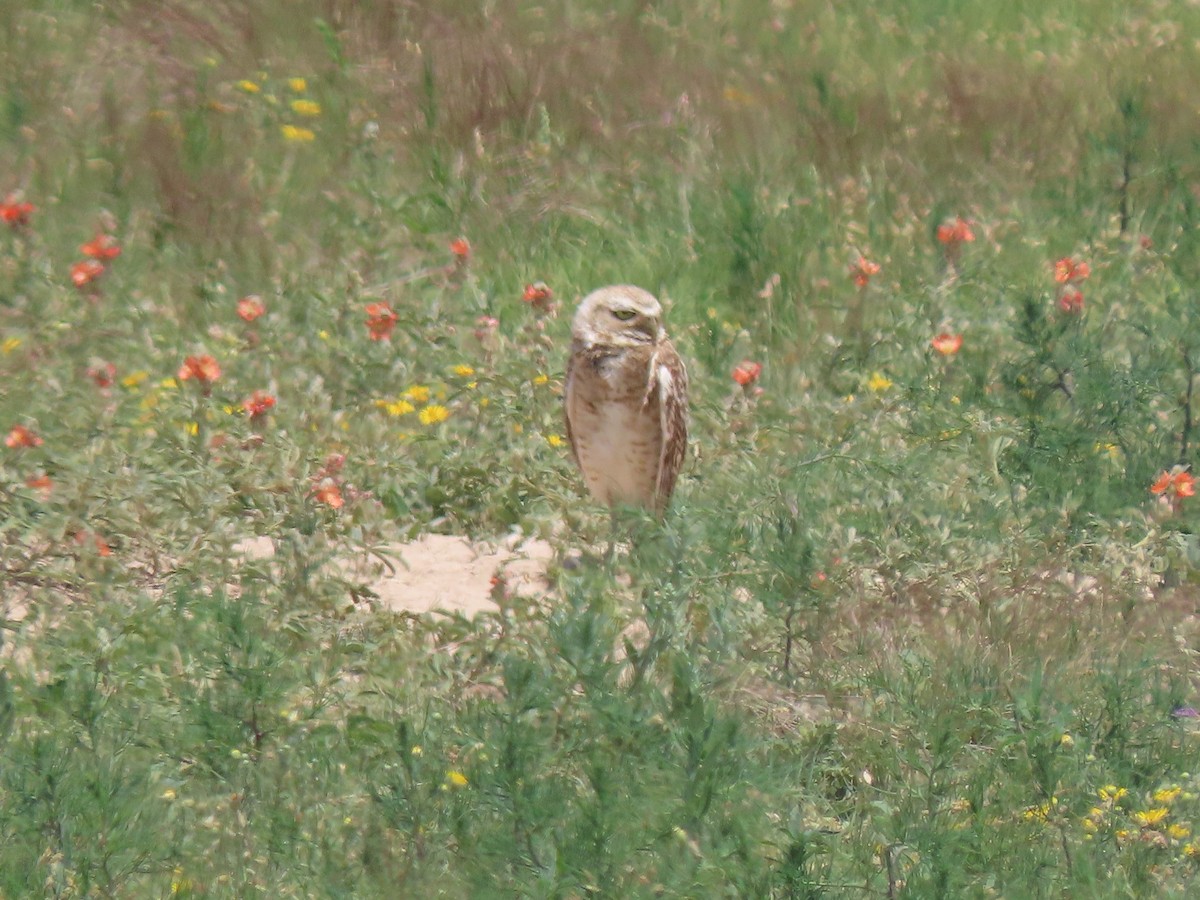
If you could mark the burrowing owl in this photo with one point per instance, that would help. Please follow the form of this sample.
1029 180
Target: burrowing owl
626 399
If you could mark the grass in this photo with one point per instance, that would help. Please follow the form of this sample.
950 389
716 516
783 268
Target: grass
915 625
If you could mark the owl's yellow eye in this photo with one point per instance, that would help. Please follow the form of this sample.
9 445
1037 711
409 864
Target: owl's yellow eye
624 314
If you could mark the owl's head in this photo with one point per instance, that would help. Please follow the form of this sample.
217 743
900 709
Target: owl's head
620 315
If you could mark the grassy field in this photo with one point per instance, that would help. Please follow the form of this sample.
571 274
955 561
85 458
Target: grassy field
922 620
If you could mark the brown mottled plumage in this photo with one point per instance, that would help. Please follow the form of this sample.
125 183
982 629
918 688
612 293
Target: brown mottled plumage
626 399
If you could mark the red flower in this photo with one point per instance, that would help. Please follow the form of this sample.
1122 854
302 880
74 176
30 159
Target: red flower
250 308
461 248
103 374
1177 483
85 272
203 368
863 270
102 246
538 295
380 321
746 372
947 344
1067 271
14 213
1071 302
20 437
101 545
956 232
258 403
40 483
329 493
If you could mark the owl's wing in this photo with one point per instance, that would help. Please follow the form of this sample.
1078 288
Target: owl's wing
672 383
568 398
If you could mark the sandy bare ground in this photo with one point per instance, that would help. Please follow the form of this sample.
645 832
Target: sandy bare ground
443 573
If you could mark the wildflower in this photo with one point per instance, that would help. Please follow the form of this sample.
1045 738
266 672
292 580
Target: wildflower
297 135
1068 271
541 378
40 483
1184 712
1167 795
1110 793
1066 741
878 382
538 295
486 328
1071 301
418 393
947 344
203 368
258 403
85 272
746 372
134 379
101 545
1178 832
329 493
456 779
1174 485
308 108
863 270
15 213
554 440
461 248
103 374
168 795
957 232
463 371
248 86
380 321
9 345
20 437
298 85
396 407
433 414
250 307
102 246
1150 817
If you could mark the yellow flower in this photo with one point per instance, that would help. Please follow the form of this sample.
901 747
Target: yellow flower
1111 792
541 378
323 334
10 345
248 86
192 428
168 794
417 750
298 135
299 85
1191 850
1167 795
433 414
396 407
456 778
1067 741
463 371
878 382
1089 825
306 108
1178 832
168 383
1151 817
418 393
554 440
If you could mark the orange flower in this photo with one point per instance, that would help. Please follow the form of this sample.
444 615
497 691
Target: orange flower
947 344
103 374
863 270
746 372
1067 271
20 437
329 493
538 295
203 368
1177 482
40 483
102 246
15 214
380 321
250 308
101 545
85 272
257 404
461 248
956 232
1071 302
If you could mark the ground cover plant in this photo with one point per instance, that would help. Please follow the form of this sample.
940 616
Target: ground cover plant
921 620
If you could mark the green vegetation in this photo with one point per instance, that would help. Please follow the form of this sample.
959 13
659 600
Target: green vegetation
916 624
